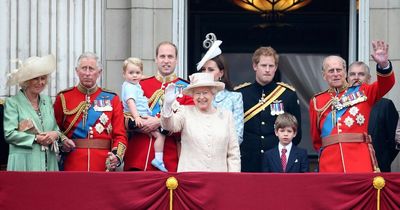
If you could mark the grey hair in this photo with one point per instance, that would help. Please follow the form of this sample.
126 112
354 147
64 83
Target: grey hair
89 55
24 85
214 90
324 63
362 64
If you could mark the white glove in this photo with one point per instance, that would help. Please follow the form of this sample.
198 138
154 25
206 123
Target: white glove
169 99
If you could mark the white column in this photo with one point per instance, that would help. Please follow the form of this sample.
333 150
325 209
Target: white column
352 31
363 31
40 27
179 34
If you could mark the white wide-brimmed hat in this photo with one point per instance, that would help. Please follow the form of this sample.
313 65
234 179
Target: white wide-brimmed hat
202 80
211 53
31 68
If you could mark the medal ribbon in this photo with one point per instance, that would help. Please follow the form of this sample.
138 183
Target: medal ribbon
328 125
81 132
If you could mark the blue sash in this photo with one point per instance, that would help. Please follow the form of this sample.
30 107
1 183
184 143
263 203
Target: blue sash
81 132
157 108
328 126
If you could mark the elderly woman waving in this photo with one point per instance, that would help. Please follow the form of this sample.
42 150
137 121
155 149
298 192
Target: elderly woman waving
209 141
29 124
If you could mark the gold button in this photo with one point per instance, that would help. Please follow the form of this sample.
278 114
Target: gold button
262 137
262 123
262 151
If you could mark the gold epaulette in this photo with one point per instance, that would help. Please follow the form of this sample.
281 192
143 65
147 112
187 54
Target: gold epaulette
108 91
242 85
2 101
317 94
66 90
286 86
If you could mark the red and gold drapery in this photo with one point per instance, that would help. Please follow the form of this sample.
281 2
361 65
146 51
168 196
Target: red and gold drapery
147 190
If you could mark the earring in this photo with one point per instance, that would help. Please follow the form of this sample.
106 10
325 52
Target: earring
219 79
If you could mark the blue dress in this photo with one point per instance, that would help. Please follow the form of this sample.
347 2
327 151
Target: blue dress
233 102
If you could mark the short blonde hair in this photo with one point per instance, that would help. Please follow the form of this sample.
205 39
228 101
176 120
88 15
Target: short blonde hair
135 61
286 120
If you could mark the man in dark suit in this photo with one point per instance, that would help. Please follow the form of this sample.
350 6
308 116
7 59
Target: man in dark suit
286 157
382 121
263 101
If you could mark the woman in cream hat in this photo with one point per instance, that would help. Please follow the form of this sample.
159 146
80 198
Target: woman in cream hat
208 138
29 124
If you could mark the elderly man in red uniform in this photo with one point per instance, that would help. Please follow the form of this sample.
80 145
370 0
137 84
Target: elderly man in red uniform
93 118
140 152
339 116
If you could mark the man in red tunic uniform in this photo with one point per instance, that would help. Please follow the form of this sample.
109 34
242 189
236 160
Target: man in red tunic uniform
93 118
140 152
339 116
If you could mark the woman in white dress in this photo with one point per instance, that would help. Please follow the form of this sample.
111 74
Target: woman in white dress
208 136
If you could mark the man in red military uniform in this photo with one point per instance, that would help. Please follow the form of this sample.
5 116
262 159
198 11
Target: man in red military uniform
339 116
140 151
93 118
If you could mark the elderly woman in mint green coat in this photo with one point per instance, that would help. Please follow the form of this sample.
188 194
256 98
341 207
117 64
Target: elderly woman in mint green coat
29 124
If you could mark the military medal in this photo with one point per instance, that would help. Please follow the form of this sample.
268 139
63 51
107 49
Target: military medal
109 128
99 128
348 121
336 103
353 110
360 119
102 105
358 97
103 119
277 108
348 100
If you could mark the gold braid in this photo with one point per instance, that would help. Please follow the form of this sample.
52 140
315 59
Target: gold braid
153 99
77 110
322 110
